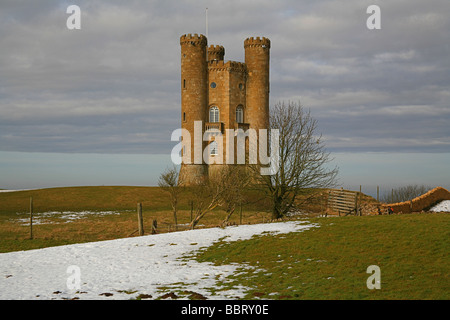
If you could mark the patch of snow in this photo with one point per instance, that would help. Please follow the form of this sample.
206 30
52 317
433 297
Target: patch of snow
443 206
62 217
7 190
126 268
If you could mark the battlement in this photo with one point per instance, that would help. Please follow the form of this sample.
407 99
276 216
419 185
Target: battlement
213 48
257 42
216 52
233 66
193 39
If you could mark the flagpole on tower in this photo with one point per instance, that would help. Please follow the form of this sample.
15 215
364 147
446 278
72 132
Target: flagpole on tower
206 23
206 33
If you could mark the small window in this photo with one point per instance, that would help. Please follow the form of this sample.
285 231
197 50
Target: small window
213 114
184 116
240 114
241 86
213 151
213 85
184 84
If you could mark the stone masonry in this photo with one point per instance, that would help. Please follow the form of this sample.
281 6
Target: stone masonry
222 95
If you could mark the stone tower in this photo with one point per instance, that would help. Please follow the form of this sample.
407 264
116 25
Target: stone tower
194 99
257 57
222 95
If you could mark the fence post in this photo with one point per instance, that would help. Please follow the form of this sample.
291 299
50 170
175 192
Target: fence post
31 217
359 201
140 219
154 226
240 213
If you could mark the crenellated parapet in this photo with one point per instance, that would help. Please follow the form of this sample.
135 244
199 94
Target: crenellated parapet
232 66
216 52
257 42
195 39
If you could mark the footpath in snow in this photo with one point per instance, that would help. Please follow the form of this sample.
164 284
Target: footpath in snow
126 268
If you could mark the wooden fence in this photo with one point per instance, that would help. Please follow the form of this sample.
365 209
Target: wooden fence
344 202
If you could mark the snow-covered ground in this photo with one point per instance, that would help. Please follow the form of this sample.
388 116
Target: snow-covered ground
7 190
52 217
443 206
125 268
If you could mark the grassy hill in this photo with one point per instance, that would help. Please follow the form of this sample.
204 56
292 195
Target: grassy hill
118 219
83 198
330 262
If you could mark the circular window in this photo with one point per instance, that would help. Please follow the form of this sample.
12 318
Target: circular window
213 85
241 86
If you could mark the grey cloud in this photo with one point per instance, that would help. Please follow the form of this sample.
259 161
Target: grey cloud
113 86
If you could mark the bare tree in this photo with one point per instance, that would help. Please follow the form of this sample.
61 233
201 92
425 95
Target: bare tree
234 180
222 188
168 181
302 158
207 197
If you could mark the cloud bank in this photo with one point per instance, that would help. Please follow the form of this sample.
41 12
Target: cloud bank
114 85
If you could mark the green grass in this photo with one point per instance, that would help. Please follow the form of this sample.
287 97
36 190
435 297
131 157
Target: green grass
330 262
327 262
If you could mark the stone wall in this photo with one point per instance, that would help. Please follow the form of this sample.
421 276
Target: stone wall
423 202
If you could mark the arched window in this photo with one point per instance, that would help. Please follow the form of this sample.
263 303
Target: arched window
213 151
240 114
213 114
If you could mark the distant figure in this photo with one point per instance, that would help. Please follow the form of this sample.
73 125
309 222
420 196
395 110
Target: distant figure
379 211
390 210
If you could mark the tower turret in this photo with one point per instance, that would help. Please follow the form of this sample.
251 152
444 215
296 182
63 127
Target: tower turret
257 57
216 53
194 100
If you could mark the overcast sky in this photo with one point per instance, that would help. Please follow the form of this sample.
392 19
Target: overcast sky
113 87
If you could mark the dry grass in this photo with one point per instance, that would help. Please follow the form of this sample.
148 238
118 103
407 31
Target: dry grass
156 205
123 200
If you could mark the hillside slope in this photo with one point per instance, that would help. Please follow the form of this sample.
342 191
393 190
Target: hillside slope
148 266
